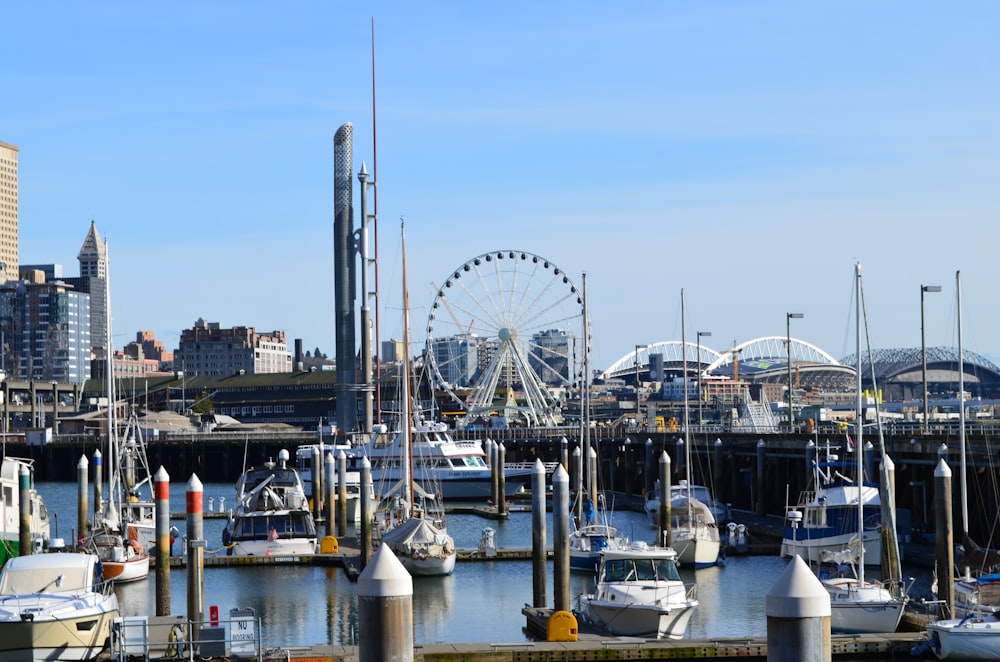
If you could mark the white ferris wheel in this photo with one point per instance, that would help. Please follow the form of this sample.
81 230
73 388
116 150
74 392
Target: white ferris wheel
505 337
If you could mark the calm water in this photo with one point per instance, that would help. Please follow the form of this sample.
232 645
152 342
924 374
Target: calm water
481 602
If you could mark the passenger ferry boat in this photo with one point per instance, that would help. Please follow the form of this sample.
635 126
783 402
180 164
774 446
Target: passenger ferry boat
272 515
459 469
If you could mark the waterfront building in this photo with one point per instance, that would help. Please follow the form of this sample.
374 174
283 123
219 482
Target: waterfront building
208 349
457 358
9 259
553 356
46 329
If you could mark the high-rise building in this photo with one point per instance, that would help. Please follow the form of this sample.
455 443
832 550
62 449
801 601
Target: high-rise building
553 356
9 258
456 358
45 327
208 349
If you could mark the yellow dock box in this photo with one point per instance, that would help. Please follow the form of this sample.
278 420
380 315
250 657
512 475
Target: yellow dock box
562 627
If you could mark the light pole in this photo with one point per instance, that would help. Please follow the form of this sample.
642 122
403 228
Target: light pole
698 359
637 348
923 348
788 348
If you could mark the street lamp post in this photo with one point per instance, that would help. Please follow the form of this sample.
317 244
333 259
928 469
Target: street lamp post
923 348
698 359
637 348
788 348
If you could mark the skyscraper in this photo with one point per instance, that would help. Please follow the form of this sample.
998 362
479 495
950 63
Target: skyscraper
9 259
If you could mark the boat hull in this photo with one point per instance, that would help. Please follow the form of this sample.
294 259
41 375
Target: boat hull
82 637
868 608
280 547
696 552
814 550
636 620
435 566
127 571
965 639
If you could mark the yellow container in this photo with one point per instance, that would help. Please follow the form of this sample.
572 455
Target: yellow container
562 627
329 545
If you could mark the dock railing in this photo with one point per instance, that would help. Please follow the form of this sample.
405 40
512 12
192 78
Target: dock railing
174 638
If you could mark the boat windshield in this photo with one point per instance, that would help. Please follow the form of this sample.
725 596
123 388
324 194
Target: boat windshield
287 525
652 569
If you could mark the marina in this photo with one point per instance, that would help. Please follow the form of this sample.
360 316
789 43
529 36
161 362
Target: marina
481 604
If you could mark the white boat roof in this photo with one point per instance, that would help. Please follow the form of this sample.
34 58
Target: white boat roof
639 550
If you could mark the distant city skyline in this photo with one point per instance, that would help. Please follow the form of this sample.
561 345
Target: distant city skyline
750 154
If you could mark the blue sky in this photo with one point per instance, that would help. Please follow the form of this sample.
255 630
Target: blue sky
748 152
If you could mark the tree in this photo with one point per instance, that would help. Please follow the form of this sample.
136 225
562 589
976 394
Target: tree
318 354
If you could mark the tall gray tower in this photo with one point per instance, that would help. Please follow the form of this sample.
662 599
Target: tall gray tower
93 259
344 277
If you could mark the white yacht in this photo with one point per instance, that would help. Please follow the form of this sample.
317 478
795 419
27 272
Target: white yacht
272 515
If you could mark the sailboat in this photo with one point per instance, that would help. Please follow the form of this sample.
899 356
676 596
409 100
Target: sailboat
975 633
114 536
857 605
415 532
593 533
694 533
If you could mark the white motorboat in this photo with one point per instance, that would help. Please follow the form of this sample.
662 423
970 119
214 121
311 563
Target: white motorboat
272 516
974 637
352 479
10 510
54 607
640 594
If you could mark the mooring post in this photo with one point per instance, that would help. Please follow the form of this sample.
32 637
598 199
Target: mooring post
194 499
761 458
944 538
24 490
663 523
330 494
366 516
798 616
161 494
560 540
98 481
82 510
539 551
385 610
342 496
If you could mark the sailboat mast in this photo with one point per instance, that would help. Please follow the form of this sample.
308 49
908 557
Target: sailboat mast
405 417
584 482
961 408
687 437
859 427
